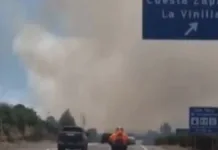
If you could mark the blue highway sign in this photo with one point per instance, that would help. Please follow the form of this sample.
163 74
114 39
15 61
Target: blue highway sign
203 120
180 19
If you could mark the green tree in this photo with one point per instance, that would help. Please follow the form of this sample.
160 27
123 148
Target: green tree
21 120
31 117
7 118
18 119
51 125
6 114
67 119
25 117
51 120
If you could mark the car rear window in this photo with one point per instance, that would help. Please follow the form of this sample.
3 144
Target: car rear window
72 129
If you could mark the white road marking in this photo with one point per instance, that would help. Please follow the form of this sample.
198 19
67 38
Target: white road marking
143 147
93 144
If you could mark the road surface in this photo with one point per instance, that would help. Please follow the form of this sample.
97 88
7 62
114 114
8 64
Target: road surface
52 146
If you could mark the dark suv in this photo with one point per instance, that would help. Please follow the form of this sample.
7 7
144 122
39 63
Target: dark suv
71 137
105 137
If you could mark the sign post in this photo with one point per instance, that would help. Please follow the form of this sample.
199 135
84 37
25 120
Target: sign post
180 19
203 121
1 128
83 118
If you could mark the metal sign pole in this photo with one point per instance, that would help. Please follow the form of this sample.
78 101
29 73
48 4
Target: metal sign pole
83 118
1 128
193 141
212 144
195 144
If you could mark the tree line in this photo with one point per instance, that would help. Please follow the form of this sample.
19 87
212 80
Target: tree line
186 140
200 142
166 136
18 122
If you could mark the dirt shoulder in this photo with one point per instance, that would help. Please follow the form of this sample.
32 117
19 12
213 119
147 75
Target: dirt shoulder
22 144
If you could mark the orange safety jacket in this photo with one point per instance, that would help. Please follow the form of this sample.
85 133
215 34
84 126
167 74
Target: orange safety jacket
119 134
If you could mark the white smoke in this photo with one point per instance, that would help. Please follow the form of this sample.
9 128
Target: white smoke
107 72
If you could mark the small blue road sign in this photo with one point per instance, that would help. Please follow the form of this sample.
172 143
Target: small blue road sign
203 120
180 19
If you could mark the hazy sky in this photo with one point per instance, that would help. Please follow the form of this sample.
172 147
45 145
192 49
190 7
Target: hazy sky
87 55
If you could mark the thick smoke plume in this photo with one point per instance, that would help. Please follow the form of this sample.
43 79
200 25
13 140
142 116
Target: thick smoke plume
103 69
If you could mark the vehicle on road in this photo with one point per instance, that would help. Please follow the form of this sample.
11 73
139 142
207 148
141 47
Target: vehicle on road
119 140
105 137
71 137
132 140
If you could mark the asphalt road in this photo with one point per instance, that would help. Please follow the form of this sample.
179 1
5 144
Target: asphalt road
52 146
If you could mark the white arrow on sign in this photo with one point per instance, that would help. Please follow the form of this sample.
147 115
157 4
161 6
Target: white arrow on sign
192 27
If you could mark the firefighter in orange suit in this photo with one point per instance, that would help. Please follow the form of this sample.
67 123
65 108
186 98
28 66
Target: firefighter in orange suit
119 133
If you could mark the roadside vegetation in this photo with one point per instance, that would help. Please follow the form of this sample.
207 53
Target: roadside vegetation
18 122
187 141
